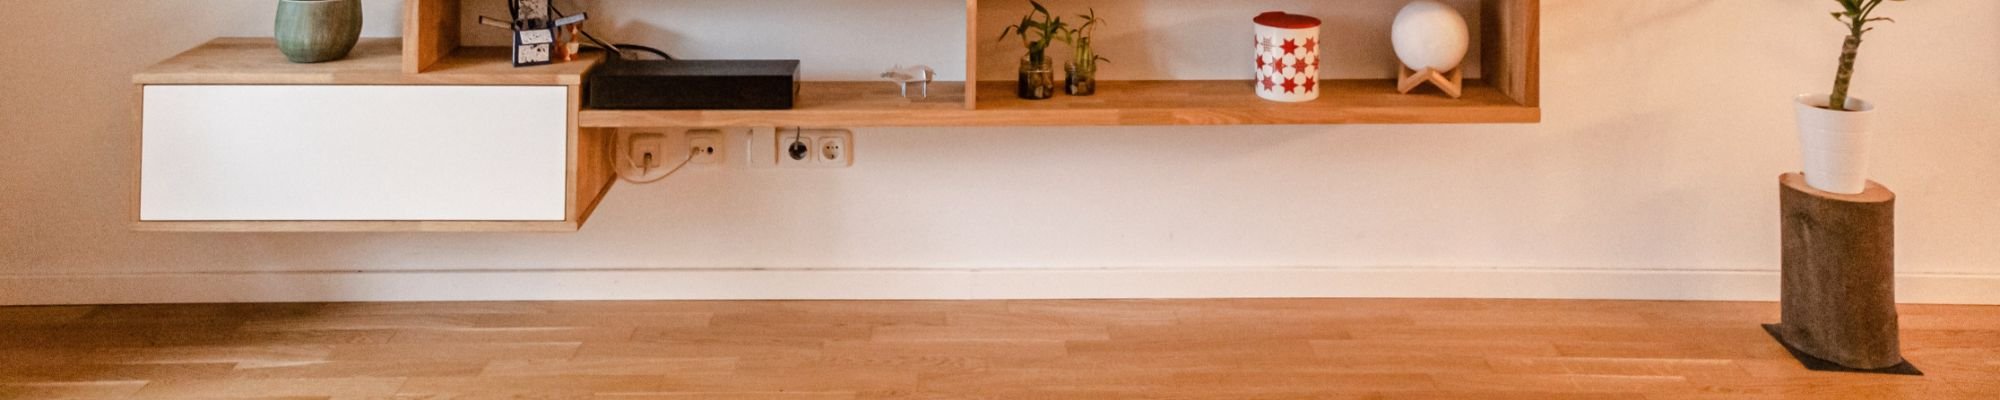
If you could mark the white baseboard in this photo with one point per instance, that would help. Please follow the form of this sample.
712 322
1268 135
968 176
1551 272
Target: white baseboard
672 284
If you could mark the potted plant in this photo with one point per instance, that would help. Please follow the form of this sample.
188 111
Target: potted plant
1038 76
1833 128
313 31
1081 77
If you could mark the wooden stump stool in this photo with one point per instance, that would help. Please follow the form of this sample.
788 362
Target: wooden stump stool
1839 292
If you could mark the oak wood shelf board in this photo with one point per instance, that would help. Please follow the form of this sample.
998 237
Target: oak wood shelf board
1152 103
356 226
819 104
374 61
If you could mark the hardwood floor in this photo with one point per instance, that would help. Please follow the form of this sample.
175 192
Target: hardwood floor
1196 349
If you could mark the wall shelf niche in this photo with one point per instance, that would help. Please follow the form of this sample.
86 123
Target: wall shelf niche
1509 93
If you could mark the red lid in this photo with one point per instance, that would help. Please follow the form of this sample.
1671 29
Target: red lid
1279 19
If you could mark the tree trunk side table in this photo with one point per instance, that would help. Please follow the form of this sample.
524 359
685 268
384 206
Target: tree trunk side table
1839 290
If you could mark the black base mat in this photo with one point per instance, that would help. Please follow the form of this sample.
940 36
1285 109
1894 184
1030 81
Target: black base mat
1816 364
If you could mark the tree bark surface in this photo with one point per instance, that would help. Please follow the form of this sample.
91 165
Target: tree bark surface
1839 294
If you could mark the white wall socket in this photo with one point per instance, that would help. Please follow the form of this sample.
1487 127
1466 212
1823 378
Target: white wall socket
644 151
707 145
814 148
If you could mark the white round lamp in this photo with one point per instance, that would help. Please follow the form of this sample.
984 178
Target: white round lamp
1431 39
1431 35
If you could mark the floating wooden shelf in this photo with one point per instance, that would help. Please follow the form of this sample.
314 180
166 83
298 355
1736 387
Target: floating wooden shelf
820 104
1234 103
865 104
374 61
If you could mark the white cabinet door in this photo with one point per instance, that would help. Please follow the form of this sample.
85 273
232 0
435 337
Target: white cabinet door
354 153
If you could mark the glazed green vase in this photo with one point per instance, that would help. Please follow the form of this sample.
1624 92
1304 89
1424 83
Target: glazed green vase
311 31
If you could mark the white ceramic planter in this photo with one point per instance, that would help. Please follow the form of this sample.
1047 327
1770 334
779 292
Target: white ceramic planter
1834 143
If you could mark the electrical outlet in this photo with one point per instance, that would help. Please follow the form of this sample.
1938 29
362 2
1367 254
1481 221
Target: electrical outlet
706 145
796 150
645 151
814 148
833 150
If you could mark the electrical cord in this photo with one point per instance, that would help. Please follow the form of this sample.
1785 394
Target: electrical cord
647 169
616 49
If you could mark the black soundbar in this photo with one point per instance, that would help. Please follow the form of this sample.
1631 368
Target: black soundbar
693 85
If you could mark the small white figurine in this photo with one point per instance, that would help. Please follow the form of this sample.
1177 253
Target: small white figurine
904 76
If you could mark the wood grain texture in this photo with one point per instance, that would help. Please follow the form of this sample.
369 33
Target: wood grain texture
593 175
1182 349
865 104
1839 276
819 105
375 61
430 33
1512 35
971 96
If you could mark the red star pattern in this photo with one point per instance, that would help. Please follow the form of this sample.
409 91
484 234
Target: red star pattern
1270 84
1261 63
1310 84
1291 86
1312 45
1315 62
1299 66
1291 46
1277 67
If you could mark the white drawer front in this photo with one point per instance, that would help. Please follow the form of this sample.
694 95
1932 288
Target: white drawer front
354 153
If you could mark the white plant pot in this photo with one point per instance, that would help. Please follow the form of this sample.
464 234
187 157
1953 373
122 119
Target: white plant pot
1834 143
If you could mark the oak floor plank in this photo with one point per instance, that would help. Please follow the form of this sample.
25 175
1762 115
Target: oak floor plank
797 349
357 369
902 333
88 372
599 320
241 388
71 390
731 396
1360 349
41 316
1014 349
453 351
528 386
611 367
514 335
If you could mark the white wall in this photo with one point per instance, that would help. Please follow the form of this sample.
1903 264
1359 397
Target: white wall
1653 176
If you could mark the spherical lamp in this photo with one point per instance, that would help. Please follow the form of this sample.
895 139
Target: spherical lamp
1430 35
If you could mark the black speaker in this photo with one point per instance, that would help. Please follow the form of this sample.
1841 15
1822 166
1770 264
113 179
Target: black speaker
693 85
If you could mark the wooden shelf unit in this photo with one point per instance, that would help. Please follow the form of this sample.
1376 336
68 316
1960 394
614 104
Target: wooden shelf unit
1509 93
383 61
431 53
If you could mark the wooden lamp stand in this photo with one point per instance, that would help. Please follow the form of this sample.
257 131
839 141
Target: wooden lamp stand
1453 82
1839 279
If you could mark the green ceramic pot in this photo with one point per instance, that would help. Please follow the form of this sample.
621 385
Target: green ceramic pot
311 31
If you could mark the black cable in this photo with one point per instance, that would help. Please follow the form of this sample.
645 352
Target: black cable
657 52
616 49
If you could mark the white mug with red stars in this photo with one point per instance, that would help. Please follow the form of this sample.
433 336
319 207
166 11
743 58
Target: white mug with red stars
1287 57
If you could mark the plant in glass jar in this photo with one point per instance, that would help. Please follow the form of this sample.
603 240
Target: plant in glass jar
1082 69
1037 30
